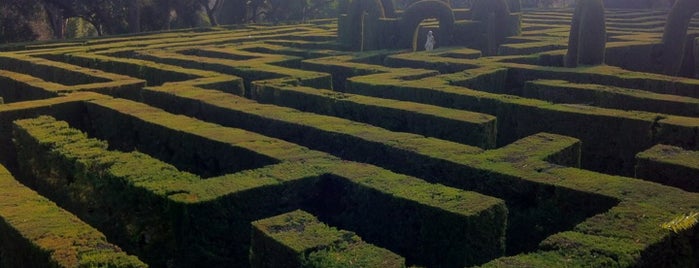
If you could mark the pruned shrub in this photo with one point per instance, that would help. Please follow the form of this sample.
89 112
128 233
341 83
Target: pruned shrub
675 34
588 35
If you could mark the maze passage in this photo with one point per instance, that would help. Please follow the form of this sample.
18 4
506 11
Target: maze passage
274 145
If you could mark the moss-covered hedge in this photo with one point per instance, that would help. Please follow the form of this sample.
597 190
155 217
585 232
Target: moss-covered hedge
433 160
20 87
150 208
459 126
351 140
560 91
49 70
34 77
155 74
35 232
255 66
669 165
298 239
512 111
119 193
429 224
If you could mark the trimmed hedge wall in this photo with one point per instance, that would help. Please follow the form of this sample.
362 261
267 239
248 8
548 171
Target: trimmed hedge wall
561 91
21 87
35 232
434 160
454 125
155 74
113 191
150 208
258 67
135 126
298 239
669 165
429 224
49 70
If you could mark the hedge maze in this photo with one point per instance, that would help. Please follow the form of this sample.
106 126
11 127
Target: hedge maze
273 146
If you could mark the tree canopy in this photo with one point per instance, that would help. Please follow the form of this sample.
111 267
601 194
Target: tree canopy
28 20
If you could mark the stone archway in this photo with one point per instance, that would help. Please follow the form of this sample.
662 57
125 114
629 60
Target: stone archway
673 43
426 9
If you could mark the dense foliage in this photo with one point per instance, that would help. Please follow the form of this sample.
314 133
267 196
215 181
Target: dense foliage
28 20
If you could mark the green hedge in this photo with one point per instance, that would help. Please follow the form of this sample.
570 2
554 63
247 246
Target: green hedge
69 106
429 224
135 126
261 194
257 66
298 239
433 160
20 87
123 194
618 152
454 125
150 208
49 70
669 165
560 91
350 140
35 232
154 74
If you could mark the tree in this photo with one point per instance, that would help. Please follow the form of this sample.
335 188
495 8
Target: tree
212 7
15 19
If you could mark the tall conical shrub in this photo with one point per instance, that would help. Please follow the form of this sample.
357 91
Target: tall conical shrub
494 14
675 34
588 34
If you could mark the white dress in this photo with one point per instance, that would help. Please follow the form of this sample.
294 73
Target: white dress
429 44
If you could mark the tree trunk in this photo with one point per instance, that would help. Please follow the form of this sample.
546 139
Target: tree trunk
56 20
212 11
